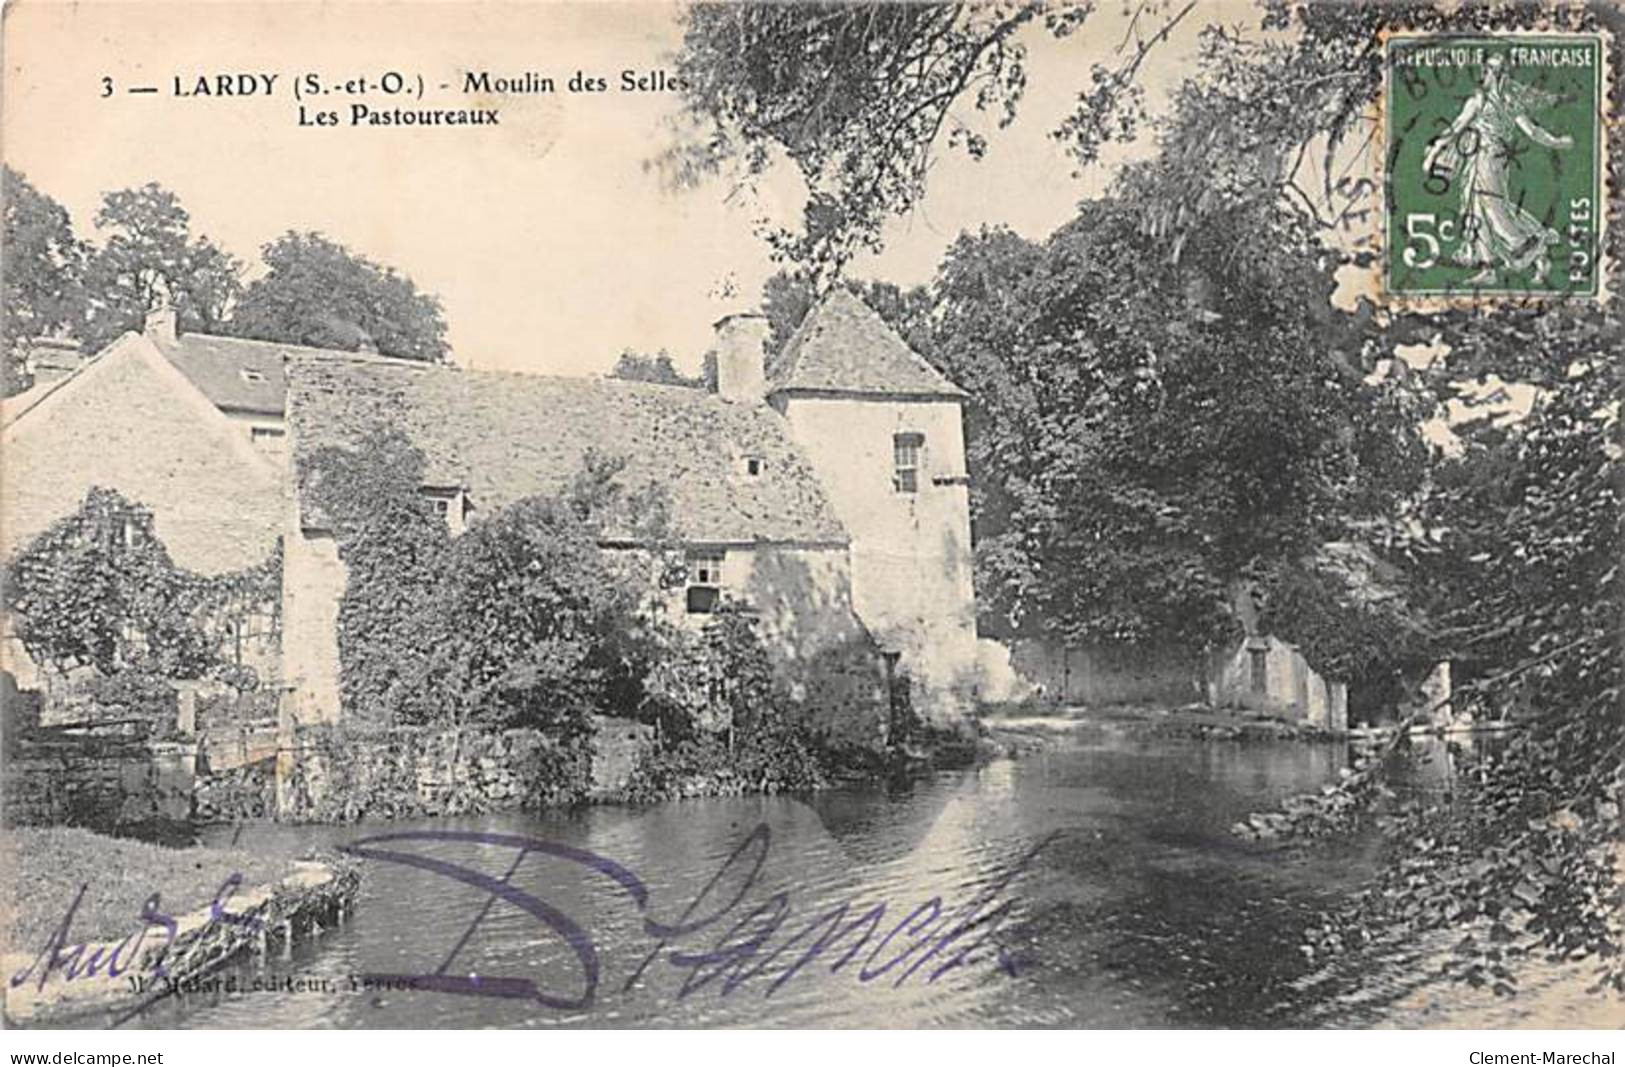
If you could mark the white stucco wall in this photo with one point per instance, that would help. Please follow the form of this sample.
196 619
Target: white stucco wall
1293 689
911 552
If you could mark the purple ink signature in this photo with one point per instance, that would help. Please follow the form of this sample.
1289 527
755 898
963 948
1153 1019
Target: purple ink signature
736 943
60 953
931 940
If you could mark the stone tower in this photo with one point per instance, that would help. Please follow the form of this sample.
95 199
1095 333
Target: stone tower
884 431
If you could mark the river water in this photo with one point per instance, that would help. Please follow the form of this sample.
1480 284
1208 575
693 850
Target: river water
1091 884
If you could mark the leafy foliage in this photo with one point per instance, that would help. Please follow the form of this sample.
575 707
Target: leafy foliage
1357 627
42 287
148 256
723 725
1146 434
393 546
854 94
1514 550
319 293
97 589
1524 863
315 291
760 85
657 368
521 622
525 622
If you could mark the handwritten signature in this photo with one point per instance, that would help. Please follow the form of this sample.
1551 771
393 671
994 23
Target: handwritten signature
717 940
60 953
930 940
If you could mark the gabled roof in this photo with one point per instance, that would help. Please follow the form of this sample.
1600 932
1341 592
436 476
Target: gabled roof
235 373
505 436
843 346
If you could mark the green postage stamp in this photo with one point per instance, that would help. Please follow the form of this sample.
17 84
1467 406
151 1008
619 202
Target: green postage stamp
1493 165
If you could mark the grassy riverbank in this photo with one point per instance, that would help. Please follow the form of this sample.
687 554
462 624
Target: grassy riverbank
45 868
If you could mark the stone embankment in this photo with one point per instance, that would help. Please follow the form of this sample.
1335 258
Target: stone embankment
108 982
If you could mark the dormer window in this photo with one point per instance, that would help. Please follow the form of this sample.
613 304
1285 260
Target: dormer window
906 448
451 504
705 579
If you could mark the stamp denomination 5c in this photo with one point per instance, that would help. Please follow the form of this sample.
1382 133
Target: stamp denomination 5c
1493 165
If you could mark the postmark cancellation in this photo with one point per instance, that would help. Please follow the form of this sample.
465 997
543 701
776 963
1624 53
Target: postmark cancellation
1493 166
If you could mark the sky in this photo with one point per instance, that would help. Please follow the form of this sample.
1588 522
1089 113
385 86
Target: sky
550 242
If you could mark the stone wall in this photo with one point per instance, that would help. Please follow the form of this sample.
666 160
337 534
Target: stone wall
1094 675
313 581
236 794
823 655
335 774
616 748
101 783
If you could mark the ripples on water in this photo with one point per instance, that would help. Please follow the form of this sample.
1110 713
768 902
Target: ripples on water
1141 910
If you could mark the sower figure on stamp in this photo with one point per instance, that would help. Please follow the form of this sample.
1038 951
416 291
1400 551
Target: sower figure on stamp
1478 150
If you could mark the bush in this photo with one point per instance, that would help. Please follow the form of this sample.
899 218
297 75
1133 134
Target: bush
724 727
522 622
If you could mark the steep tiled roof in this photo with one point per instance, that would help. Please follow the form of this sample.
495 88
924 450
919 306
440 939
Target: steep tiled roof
506 436
235 373
843 346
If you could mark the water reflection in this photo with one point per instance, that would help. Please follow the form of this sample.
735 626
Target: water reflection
1141 909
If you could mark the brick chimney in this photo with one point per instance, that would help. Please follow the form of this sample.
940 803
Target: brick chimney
160 326
741 351
54 358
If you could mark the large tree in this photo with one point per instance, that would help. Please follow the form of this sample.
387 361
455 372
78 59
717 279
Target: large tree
148 256
856 95
42 286
1145 434
319 293
859 98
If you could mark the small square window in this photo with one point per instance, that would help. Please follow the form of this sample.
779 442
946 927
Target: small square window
906 449
754 465
450 505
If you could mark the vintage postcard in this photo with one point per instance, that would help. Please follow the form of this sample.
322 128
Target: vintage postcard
811 516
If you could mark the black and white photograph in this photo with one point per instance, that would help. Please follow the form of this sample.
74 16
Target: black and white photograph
820 515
